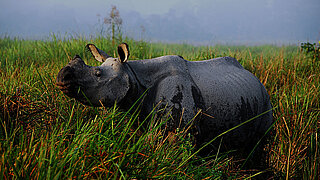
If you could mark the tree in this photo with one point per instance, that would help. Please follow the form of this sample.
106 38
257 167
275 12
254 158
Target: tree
114 22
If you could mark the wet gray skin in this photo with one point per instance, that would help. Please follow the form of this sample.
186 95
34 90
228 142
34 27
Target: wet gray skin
94 85
221 88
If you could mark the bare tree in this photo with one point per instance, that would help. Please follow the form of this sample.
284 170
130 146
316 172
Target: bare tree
114 21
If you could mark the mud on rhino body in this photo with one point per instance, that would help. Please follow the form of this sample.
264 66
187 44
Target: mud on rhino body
221 88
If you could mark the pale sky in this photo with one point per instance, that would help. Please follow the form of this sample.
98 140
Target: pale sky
239 20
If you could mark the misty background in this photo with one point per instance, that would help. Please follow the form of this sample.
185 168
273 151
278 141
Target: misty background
189 21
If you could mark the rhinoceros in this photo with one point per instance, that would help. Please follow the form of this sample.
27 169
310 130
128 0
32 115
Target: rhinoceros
225 93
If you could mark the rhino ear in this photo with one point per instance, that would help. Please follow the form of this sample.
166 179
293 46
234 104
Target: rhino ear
97 53
123 51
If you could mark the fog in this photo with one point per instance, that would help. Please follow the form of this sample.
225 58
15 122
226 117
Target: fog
190 21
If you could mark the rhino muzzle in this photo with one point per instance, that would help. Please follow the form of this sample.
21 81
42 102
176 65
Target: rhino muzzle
65 81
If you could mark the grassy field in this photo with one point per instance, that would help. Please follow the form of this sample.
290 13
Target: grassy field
46 135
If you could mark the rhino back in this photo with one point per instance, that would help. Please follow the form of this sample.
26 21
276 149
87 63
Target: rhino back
231 95
224 80
151 71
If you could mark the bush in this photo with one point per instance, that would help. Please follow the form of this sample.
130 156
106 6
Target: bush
311 49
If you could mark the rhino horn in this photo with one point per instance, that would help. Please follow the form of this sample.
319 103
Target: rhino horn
97 53
123 51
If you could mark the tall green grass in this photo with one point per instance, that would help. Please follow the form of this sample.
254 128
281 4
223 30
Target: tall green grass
45 134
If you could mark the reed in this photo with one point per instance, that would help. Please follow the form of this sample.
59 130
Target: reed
46 135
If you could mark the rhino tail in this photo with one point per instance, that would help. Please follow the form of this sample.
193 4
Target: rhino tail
97 53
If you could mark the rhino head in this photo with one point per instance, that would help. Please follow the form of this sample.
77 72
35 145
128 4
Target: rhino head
96 85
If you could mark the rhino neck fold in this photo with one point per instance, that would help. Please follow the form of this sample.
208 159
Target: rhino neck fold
146 75
136 89
135 79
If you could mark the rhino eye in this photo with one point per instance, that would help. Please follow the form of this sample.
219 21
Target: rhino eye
98 73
